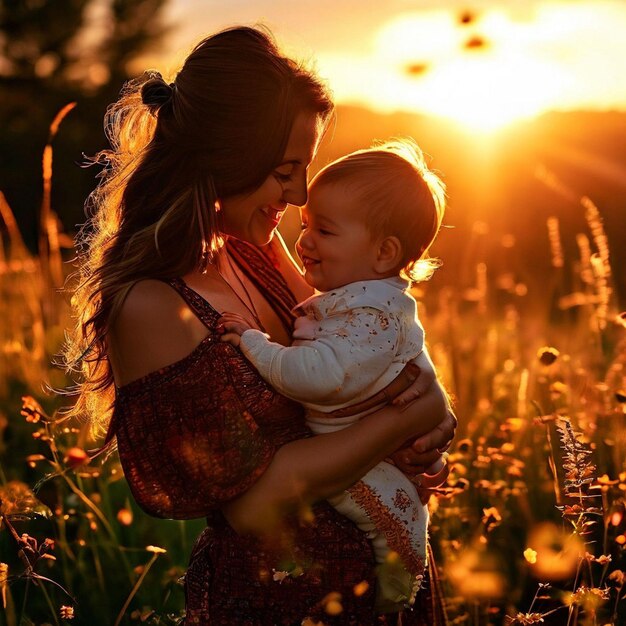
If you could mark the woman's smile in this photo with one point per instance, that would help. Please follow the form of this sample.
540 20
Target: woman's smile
254 216
273 215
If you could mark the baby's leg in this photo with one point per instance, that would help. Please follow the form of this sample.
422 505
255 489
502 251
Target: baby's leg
386 506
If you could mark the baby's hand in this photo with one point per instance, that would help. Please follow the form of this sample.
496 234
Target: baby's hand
232 326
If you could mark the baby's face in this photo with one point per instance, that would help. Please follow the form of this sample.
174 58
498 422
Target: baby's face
335 246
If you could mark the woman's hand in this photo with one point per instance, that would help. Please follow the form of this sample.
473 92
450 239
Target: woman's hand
424 370
419 454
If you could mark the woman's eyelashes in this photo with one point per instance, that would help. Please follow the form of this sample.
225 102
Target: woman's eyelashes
284 176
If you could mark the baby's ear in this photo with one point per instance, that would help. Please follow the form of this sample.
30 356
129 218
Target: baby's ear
389 256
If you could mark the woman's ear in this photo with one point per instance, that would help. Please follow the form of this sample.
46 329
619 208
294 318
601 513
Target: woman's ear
389 255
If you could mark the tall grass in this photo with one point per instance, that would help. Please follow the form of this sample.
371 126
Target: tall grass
530 527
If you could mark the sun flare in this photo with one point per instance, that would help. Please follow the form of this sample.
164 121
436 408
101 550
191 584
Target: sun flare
487 72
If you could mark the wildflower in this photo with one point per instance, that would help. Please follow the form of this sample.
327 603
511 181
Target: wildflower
579 470
332 603
32 410
476 574
32 459
75 457
125 517
279 575
548 355
618 576
361 588
526 618
616 517
66 612
514 424
557 551
491 518
557 389
4 576
392 557
156 550
590 598
465 445
530 555
604 480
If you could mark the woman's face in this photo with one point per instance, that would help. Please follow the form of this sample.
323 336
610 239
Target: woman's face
253 217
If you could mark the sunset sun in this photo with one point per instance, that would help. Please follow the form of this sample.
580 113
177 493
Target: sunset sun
486 70
484 76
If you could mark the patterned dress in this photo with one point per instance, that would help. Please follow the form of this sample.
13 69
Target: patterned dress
200 432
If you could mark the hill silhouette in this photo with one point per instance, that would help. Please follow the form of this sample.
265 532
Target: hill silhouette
509 183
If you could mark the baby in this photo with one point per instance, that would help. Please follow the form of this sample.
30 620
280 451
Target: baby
369 221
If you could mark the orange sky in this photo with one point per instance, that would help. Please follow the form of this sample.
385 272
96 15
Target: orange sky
482 64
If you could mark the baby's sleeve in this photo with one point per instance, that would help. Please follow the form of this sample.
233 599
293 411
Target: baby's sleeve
349 353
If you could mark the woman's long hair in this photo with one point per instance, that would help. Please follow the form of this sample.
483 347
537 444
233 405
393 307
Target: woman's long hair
218 130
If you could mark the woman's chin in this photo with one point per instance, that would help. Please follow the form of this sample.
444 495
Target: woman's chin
261 239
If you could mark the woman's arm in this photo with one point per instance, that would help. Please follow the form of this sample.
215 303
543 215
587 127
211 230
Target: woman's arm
313 469
303 471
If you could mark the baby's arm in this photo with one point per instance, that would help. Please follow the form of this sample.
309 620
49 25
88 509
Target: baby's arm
233 326
348 354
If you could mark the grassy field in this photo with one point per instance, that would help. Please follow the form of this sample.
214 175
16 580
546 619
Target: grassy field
530 527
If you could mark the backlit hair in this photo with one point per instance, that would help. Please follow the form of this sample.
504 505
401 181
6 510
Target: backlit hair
398 194
218 130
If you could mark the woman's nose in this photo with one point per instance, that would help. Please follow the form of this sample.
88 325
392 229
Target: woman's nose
296 192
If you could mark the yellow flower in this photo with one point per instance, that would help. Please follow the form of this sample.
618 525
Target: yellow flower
125 517
66 612
530 555
75 457
558 552
361 588
279 576
491 518
32 411
547 355
476 576
156 549
4 575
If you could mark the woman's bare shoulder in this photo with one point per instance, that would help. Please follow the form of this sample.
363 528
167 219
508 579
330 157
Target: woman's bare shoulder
154 328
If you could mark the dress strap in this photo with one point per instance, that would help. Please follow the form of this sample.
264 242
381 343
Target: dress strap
203 310
266 277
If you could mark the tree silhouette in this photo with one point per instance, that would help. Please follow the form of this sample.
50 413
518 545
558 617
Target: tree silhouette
53 52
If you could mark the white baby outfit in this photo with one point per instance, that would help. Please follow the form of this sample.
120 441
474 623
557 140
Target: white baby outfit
349 344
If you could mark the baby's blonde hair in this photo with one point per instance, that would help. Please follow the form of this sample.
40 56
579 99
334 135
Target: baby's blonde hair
400 196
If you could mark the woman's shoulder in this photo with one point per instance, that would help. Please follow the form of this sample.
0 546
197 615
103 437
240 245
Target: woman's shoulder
154 328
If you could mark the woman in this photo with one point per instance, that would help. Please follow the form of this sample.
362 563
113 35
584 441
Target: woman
184 224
